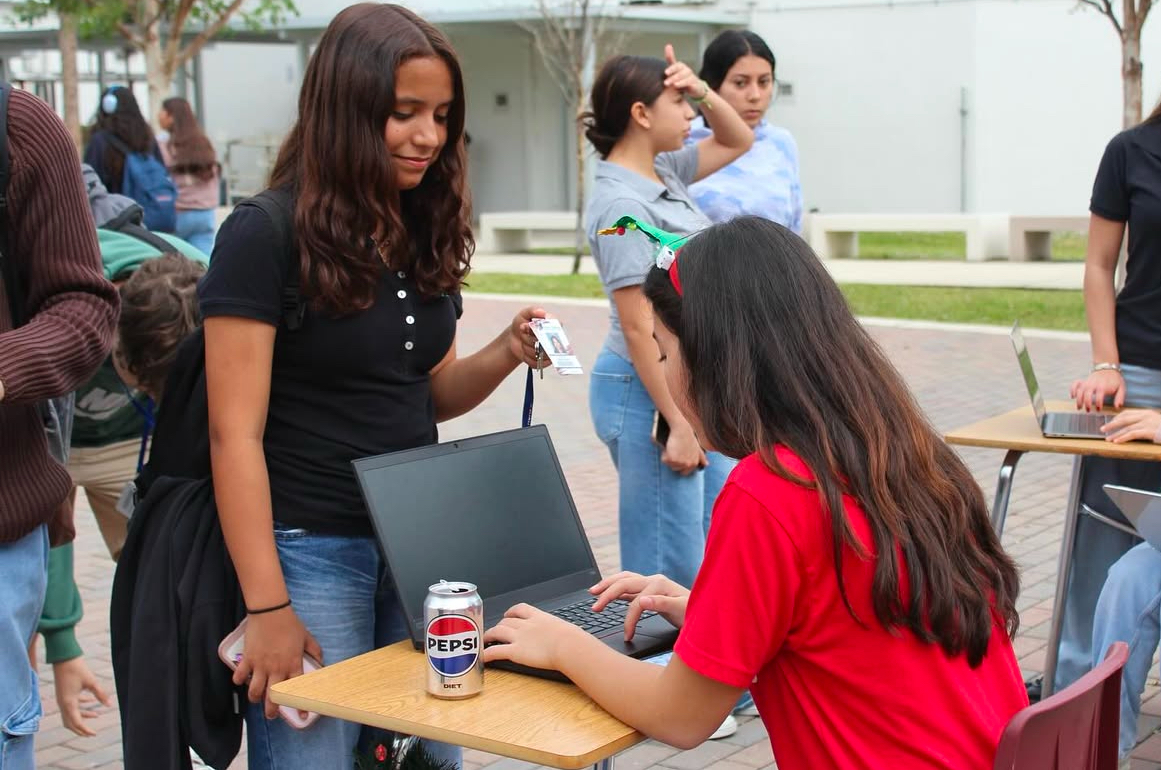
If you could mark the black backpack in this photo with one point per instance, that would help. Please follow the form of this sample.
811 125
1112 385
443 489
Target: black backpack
175 594
55 413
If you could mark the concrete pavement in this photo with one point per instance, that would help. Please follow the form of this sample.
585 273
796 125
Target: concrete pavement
958 375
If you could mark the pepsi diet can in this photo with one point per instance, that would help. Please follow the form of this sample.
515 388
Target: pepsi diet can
454 617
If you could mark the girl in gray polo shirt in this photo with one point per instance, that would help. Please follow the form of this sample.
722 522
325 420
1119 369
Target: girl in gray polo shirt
640 118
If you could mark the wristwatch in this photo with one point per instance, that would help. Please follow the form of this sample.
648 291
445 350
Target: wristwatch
1106 366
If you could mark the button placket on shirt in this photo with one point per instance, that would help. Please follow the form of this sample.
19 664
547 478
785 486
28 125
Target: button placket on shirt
409 315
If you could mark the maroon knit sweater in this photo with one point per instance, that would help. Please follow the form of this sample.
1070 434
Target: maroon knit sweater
71 308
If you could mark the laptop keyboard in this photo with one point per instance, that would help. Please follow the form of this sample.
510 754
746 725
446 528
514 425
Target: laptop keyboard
1081 423
581 614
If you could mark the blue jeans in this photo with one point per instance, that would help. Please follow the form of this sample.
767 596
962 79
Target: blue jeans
1098 546
196 227
23 578
1129 610
344 597
663 516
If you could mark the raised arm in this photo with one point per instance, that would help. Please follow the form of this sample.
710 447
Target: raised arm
731 137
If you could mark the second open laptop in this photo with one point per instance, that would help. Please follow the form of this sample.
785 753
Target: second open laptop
1142 508
1054 424
495 511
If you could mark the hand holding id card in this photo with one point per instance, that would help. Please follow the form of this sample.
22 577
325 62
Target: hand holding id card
550 334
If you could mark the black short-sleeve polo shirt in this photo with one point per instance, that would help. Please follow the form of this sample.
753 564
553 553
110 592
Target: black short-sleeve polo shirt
341 387
1128 189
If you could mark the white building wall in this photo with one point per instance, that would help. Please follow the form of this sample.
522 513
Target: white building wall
1048 99
876 103
876 108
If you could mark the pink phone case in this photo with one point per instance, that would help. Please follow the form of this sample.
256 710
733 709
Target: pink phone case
230 651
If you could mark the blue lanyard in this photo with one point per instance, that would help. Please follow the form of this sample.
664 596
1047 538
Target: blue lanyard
146 410
528 396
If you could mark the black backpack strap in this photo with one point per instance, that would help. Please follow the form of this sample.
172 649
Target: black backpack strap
7 269
277 205
142 234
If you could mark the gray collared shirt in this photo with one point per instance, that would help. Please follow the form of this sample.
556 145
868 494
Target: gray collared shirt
625 260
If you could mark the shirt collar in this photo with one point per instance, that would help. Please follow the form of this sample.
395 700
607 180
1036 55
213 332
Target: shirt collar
643 187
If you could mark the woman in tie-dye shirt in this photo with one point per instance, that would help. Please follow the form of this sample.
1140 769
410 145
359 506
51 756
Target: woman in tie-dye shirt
764 182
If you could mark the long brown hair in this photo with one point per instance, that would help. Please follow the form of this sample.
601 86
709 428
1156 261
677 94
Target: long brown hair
336 161
191 149
784 362
1155 115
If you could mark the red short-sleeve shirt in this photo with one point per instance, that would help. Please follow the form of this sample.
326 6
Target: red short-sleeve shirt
766 613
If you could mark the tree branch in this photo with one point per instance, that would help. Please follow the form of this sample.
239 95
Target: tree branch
176 25
191 50
1143 11
1106 8
127 32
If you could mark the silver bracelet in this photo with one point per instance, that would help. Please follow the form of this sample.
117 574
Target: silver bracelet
1104 367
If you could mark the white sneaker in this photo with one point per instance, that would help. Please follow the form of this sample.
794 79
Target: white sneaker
728 728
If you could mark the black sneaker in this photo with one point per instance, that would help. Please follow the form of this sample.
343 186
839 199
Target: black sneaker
1034 687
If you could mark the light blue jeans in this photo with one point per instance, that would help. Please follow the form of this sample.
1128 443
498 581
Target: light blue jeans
1098 546
342 593
663 516
23 579
196 227
1129 610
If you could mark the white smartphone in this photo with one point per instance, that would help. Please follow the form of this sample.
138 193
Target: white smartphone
230 651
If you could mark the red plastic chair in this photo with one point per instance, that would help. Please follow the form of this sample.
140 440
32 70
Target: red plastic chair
1075 729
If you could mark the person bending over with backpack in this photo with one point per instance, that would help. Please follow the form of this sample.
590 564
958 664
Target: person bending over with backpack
852 580
374 180
56 326
127 158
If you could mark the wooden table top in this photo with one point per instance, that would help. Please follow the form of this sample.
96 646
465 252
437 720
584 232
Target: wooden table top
1018 430
518 716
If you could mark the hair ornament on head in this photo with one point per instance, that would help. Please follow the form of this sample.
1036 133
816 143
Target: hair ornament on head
668 244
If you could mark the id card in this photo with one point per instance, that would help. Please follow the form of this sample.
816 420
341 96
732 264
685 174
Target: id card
550 334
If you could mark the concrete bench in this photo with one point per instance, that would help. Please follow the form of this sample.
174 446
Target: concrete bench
1030 237
837 235
511 231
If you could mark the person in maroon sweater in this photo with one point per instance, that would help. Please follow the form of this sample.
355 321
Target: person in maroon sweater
71 311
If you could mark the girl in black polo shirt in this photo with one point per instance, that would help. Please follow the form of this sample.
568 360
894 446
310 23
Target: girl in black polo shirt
375 165
1125 329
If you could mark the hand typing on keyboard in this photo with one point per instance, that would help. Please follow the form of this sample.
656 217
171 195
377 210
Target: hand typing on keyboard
656 594
535 638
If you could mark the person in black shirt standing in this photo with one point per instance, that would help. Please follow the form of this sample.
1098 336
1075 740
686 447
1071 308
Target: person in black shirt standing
1125 329
375 167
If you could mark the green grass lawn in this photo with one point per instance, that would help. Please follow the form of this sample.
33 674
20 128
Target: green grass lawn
1066 247
1034 308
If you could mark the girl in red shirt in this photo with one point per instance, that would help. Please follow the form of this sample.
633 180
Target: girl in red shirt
852 580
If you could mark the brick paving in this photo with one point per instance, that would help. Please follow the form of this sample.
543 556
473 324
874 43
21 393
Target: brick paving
957 376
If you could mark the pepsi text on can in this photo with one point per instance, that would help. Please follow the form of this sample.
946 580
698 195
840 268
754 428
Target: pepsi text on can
454 620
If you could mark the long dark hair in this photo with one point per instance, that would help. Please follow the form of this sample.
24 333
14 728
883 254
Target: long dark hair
784 362
125 122
623 81
191 149
726 49
1155 115
336 161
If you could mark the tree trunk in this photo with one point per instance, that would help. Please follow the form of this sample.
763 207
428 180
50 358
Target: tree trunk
580 198
158 71
67 43
1131 71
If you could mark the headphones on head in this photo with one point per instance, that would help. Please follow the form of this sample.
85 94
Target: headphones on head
109 101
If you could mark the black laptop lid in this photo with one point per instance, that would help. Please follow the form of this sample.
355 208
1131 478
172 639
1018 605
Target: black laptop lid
492 510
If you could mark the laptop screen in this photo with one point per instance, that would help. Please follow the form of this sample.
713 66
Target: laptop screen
492 510
1026 370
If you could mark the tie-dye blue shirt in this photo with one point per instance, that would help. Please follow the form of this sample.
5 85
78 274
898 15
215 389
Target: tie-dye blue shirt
763 182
